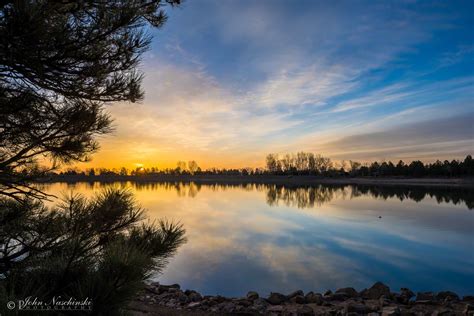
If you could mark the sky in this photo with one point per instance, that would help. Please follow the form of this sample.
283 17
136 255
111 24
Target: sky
227 82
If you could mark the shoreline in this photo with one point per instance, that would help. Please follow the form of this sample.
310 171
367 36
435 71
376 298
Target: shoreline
378 300
268 179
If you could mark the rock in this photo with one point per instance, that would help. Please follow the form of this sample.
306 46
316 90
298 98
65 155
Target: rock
167 288
405 296
353 307
252 295
227 307
328 292
376 291
173 286
275 309
375 301
390 311
171 303
245 303
400 299
314 298
260 305
276 298
349 291
425 302
468 308
298 299
406 292
373 305
337 297
165 296
195 297
242 310
211 302
304 310
218 298
161 290
258 310
384 301
260 301
183 298
295 293
447 295
425 296
153 289
442 312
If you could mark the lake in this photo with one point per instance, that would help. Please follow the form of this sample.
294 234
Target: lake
276 238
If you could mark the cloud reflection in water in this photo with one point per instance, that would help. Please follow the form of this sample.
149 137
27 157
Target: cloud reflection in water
277 238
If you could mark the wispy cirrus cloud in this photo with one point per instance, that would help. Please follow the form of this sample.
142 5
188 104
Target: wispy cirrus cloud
408 93
313 85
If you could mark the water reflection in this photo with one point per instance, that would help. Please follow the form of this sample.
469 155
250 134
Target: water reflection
244 237
307 196
310 196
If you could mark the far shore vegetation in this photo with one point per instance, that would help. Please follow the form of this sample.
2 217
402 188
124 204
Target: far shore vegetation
302 163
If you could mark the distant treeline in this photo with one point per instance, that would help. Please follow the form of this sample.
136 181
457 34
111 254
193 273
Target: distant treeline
310 164
303 163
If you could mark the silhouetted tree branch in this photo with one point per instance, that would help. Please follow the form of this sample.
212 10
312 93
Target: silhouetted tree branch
60 62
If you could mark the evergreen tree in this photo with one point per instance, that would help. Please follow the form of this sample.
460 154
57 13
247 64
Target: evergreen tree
60 63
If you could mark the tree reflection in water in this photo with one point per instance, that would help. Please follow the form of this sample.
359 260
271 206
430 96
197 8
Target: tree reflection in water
309 196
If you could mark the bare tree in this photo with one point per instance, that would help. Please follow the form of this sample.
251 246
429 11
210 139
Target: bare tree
193 167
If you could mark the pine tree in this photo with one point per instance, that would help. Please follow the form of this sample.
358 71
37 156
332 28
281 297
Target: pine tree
60 63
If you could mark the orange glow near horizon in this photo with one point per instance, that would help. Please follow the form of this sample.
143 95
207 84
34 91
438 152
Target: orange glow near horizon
204 120
113 155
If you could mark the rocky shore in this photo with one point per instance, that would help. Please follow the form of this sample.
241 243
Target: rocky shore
379 300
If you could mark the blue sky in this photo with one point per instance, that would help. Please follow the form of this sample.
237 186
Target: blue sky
228 81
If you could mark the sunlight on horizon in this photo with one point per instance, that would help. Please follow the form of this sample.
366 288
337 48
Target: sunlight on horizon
231 88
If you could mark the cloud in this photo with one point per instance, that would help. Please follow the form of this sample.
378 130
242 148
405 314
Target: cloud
461 54
252 78
448 137
312 86
188 114
408 93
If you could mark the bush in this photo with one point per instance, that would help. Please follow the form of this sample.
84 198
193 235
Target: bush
100 249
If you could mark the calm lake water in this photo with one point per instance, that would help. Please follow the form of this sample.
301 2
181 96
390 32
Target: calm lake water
274 238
